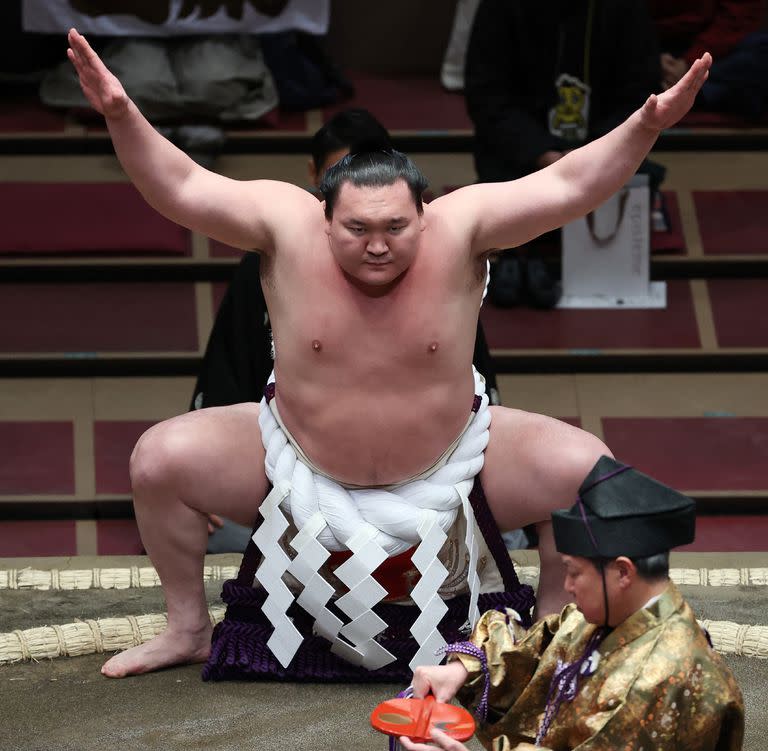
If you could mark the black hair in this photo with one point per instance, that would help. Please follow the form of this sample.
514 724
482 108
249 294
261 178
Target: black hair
364 167
651 568
344 130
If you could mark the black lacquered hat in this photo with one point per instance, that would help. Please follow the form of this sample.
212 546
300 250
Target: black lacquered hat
621 511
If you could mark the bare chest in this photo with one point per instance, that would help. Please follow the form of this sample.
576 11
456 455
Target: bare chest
373 387
423 318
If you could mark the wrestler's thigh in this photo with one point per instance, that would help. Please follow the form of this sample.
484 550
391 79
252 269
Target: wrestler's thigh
212 459
534 464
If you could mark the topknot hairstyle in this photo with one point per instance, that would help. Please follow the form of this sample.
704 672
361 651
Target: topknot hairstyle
366 167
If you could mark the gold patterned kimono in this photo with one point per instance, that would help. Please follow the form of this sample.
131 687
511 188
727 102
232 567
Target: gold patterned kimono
658 684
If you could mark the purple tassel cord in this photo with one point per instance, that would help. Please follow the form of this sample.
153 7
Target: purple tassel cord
565 680
467 648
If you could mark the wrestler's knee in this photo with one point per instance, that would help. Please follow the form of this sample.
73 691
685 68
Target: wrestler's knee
159 457
580 455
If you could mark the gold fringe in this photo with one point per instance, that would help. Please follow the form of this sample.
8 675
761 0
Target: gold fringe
716 577
85 637
97 578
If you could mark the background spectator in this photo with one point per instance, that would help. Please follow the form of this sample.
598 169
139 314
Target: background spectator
542 78
728 29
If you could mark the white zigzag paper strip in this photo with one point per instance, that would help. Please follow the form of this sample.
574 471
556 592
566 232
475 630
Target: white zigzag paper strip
311 555
470 540
286 638
425 593
364 592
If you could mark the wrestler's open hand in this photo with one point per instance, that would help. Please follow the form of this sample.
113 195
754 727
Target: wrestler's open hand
443 681
105 93
664 110
439 740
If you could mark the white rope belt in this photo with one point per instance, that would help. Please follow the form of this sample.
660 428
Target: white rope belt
374 524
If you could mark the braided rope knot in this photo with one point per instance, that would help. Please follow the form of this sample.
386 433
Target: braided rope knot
374 523
394 512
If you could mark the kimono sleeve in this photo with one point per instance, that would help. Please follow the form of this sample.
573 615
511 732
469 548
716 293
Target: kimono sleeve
513 656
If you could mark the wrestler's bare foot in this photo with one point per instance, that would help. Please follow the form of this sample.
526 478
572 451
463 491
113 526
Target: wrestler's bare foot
166 649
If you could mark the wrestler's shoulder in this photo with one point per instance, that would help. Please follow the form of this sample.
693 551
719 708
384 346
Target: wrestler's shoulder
459 209
279 190
288 209
450 200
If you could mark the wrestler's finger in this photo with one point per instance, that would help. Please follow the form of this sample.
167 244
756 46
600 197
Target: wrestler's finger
74 44
82 74
86 53
75 60
77 41
698 78
706 64
81 68
700 70
698 82
78 66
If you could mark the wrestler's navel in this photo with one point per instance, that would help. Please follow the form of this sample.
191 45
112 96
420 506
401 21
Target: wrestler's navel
316 345
432 347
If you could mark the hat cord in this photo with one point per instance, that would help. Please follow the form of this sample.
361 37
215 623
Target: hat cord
582 511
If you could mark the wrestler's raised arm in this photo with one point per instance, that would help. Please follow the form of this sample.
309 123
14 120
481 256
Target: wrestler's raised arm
242 214
507 214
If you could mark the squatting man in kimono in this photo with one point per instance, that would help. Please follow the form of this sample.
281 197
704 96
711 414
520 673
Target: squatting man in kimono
375 429
625 667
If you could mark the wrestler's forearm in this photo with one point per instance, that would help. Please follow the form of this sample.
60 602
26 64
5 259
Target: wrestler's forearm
594 172
509 214
157 168
231 211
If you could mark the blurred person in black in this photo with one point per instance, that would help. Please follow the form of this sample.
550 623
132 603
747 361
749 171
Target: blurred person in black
543 78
